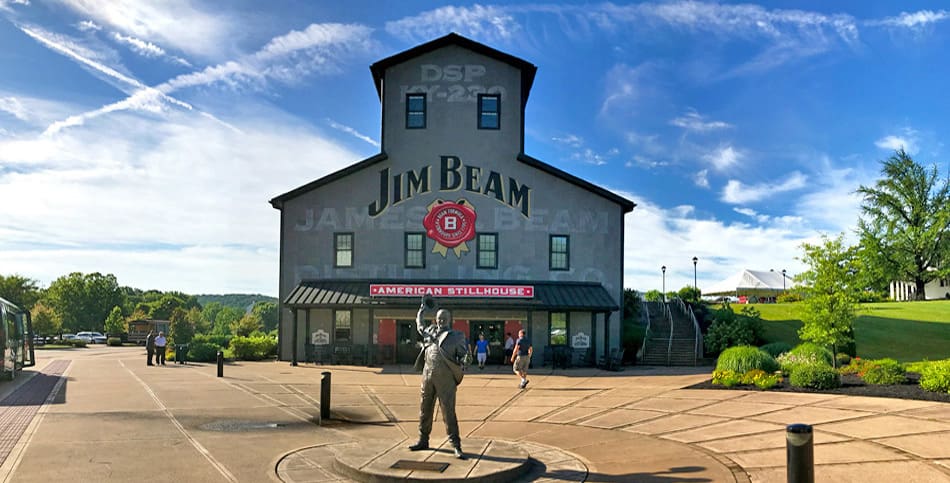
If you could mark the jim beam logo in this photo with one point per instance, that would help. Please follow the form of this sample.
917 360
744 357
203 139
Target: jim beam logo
450 225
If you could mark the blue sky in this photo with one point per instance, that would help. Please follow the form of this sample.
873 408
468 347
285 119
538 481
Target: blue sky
144 138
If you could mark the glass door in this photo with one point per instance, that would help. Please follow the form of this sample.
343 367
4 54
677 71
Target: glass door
407 342
494 334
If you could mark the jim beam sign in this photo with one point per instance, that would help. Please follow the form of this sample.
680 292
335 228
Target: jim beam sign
450 223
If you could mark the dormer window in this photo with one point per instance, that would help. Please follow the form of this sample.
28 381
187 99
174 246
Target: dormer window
489 106
415 111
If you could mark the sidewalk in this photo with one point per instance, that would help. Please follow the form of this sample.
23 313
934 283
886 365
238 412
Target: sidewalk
114 418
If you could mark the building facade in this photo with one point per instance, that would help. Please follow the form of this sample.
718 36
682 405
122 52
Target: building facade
452 207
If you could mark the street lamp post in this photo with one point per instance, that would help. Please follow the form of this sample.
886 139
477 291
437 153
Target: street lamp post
694 272
663 269
783 280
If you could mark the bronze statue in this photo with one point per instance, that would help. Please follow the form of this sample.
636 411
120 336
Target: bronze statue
441 361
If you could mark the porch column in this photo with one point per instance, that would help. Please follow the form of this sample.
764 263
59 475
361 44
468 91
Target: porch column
293 360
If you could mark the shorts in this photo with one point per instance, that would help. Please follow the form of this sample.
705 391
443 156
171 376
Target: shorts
481 357
521 363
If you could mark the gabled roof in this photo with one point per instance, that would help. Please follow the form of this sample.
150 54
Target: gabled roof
278 201
570 178
527 69
588 296
750 282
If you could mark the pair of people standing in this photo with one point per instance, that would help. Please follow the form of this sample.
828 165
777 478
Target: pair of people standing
155 347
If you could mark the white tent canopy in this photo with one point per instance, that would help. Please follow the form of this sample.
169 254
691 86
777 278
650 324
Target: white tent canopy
751 282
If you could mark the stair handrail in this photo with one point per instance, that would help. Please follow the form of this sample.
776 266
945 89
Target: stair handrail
698 335
646 333
669 346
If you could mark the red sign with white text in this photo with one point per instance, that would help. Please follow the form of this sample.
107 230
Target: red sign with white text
412 290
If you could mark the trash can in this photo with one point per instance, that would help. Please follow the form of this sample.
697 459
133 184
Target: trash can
181 353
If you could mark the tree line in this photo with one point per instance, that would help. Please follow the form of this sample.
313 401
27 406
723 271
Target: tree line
96 302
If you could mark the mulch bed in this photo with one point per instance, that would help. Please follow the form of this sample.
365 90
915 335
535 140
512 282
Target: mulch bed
851 385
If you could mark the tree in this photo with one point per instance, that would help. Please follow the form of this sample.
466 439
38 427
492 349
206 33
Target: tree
180 328
84 300
225 318
246 325
21 291
115 325
906 221
268 313
46 321
689 294
653 296
828 309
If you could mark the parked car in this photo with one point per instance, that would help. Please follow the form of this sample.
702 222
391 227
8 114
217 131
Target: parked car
66 337
91 337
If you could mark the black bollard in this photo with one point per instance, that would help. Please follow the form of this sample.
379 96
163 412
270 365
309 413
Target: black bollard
220 364
325 396
800 453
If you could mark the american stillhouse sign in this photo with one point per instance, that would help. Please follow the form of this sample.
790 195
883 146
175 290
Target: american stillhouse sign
405 290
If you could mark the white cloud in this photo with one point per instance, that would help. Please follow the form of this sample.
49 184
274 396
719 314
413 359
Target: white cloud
88 26
569 140
5 4
644 162
723 158
737 192
693 121
147 49
13 106
701 178
672 237
177 23
625 85
488 24
914 20
352 132
155 216
907 141
590 156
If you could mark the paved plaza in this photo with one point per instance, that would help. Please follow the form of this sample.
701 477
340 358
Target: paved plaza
100 414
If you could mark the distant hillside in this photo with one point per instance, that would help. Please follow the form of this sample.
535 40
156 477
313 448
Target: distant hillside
242 301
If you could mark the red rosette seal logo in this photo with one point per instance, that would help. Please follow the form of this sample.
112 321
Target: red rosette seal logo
450 225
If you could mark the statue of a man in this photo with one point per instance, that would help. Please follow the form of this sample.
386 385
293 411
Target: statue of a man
443 354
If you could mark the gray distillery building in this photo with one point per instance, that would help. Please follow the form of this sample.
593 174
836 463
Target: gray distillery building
453 207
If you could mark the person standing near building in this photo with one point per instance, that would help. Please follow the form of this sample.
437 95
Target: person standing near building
443 353
160 343
150 346
509 349
522 351
481 350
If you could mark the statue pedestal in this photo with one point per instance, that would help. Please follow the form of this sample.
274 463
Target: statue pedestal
487 461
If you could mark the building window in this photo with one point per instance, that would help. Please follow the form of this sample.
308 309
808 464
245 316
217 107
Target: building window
343 249
560 258
342 326
415 111
415 250
558 332
489 110
487 250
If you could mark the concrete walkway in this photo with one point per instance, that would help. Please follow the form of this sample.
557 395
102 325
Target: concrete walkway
113 418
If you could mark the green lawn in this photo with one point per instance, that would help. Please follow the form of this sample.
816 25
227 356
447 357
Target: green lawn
906 331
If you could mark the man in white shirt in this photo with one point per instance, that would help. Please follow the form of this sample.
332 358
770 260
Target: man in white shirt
160 343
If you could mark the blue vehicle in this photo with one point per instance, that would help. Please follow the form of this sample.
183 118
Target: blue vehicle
16 339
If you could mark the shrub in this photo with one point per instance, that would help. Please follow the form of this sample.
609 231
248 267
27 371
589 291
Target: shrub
935 376
789 297
202 352
776 349
730 329
857 366
815 376
726 378
76 342
253 348
213 339
114 341
742 359
766 381
749 377
842 359
883 371
805 353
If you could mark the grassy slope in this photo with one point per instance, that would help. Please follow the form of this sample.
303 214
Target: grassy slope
906 331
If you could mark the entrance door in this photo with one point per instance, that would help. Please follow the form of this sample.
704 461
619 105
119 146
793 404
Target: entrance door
494 331
407 342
